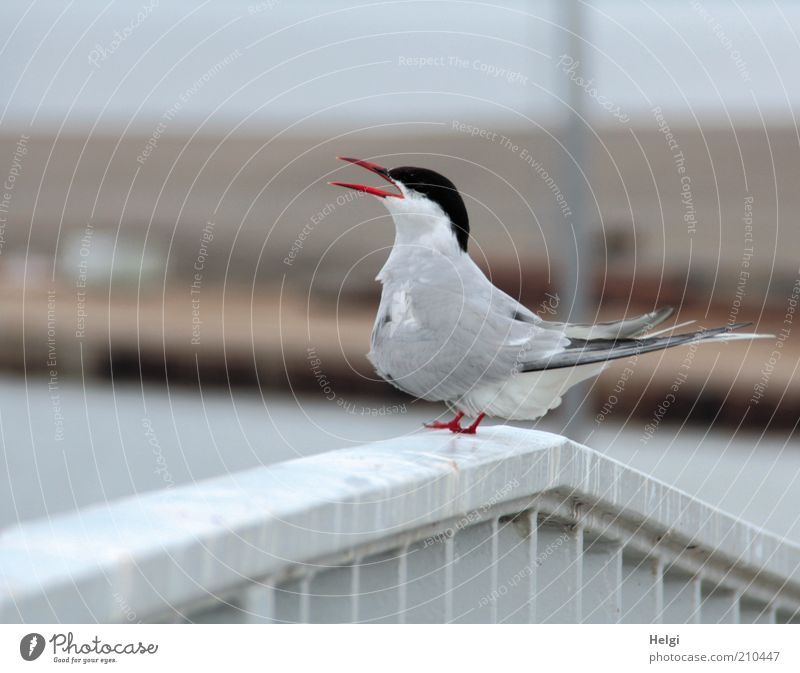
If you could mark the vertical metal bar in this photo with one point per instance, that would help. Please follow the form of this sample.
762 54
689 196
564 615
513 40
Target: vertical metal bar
512 593
719 606
559 576
533 556
258 602
449 548
493 583
355 583
378 601
753 612
330 591
601 599
288 597
642 591
681 599
659 571
788 615
473 600
427 571
402 585
574 249
304 599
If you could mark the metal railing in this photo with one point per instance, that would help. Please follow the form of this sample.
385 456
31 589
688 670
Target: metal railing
511 526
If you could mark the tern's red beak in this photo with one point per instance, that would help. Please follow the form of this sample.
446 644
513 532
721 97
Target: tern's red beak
375 168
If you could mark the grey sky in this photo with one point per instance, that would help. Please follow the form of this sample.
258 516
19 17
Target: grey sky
341 63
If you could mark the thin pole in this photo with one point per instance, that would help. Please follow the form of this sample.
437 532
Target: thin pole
573 246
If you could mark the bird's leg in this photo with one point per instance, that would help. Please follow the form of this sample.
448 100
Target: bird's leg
472 428
452 426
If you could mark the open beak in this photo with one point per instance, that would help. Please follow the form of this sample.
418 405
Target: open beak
375 168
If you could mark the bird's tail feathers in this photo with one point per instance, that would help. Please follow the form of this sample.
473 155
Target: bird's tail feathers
672 328
741 336
587 351
615 329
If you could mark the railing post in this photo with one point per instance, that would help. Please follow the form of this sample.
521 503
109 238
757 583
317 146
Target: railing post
516 569
719 606
681 602
427 569
329 594
473 572
752 612
378 599
291 601
559 576
259 603
642 591
601 599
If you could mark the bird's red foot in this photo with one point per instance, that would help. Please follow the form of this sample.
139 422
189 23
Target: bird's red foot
454 426
472 428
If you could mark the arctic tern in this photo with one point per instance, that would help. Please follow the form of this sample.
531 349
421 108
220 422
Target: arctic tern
444 332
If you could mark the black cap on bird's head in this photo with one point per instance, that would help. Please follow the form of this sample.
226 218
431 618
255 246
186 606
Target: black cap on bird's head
422 182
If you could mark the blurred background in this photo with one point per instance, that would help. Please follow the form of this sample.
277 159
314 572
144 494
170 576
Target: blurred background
183 294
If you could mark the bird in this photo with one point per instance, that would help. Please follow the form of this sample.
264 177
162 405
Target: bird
444 332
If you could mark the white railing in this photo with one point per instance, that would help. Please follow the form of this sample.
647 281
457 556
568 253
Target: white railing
511 526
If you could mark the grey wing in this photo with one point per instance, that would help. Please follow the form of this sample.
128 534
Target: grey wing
614 329
627 327
583 344
452 341
588 351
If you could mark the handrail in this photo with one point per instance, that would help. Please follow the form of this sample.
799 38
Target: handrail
510 525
